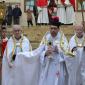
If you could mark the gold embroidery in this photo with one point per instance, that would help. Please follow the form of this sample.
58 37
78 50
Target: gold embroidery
79 44
62 42
14 41
45 41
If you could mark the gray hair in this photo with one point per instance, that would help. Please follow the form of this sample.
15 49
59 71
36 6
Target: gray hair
17 27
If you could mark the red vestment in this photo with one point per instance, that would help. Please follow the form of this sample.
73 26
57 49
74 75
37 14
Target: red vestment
63 1
3 45
42 3
73 3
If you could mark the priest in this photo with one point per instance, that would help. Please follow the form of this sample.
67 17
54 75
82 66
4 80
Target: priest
76 46
17 43
53 69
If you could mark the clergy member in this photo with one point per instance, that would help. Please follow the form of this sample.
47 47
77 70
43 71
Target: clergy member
53 70
61 13
42 11
76 45
70 14
17 43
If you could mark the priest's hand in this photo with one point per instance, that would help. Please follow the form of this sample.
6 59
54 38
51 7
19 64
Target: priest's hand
10 64
56 49
74 49
49 51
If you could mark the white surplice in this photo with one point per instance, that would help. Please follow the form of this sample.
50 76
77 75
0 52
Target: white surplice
61 13
7 72
70 14
43 15
27 67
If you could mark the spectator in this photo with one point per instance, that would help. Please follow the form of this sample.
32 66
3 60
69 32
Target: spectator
9 15
35 11
16 14
29 18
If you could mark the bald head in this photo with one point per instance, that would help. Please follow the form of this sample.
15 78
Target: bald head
17 31
17 27
78 26
79 29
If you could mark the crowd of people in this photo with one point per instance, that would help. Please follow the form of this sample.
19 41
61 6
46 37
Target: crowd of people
42 14
11 14
54 62
63 9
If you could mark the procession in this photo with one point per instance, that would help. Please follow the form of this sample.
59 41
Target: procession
57 59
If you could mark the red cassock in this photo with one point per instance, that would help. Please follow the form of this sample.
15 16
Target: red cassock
62 1
3 46
73 3
41 3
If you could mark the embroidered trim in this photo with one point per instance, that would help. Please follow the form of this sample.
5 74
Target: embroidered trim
76 41
62 42
14 41
45 41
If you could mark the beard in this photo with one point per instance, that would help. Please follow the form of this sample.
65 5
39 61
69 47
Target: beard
53 34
